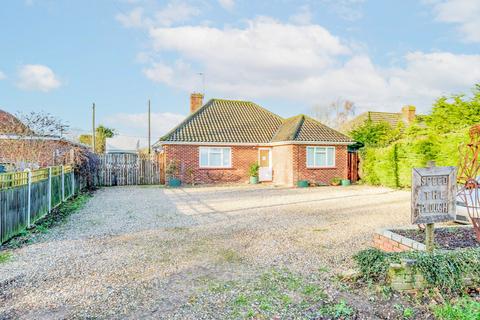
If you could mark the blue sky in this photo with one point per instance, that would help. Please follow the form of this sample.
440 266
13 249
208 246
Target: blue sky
60 56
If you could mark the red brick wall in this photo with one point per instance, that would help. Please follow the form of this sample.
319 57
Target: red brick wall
325 175
188 159
39 152
289 165
388 245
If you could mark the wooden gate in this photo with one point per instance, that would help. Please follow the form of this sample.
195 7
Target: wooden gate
122 169
353 161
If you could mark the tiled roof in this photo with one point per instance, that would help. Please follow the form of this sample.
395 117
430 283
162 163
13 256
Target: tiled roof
227 121
9 124
389 117
392 118
313 130
233 121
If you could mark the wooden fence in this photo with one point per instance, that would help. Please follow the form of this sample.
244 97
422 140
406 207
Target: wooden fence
128 169
26 197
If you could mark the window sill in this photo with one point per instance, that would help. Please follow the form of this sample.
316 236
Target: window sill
215 168
322 168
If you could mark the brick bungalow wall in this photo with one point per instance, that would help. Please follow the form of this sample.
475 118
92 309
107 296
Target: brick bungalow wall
188 158
282 165
289 165
324 175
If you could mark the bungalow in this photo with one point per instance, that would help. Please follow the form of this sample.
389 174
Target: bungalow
218 142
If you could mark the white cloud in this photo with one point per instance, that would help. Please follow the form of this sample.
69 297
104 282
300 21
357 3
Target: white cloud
303 16
172 13
37 77
464 13
227 4
2 75
307 64
134 19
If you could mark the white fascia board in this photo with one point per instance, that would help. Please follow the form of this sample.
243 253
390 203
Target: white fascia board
271 144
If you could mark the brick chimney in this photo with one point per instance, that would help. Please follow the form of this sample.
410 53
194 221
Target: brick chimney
408 114
196 101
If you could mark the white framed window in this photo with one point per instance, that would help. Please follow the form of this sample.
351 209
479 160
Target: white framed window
215 157
320 157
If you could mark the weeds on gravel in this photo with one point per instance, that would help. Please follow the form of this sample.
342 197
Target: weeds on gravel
229 255
339 310
5 256
57 216
277 293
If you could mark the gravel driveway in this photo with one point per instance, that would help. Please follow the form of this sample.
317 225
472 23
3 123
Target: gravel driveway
143 252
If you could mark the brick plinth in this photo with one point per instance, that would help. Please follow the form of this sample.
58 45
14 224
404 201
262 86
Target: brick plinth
389 241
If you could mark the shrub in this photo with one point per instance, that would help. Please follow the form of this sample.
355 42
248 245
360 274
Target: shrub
335 181
444 270
253 169
172 169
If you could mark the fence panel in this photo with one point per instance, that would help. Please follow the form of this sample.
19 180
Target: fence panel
128 169
56 186
39 195
13 211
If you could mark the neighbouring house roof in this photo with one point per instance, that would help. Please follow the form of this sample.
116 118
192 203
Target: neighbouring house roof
231 121
9 124
392 118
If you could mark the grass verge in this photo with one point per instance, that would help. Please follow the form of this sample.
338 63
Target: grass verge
5 256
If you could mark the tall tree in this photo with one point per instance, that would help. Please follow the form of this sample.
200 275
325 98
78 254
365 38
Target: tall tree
334 115
101 134
455 112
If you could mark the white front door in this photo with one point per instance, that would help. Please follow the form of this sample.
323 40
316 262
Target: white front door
265 163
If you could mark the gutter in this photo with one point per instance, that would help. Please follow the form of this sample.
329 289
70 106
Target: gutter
267 144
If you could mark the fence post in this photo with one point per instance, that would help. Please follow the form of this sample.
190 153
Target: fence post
29 202
49 189
73 182
63 184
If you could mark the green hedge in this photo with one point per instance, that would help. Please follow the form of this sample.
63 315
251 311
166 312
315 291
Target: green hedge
391 166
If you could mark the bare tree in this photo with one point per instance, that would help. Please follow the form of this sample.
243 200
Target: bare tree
33 140
334 115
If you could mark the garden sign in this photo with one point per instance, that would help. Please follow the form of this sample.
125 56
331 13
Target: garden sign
433 194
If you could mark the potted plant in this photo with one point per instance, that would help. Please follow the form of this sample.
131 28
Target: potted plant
253 171
302 183
172 174
335 181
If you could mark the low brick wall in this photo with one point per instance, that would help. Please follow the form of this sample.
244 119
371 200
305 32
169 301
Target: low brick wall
389 241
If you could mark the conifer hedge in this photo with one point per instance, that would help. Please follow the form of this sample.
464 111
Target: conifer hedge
391 166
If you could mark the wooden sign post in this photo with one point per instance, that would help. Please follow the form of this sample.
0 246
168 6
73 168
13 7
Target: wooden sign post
433 197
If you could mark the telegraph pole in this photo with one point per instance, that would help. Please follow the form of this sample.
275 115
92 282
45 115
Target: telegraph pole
149 129
93 127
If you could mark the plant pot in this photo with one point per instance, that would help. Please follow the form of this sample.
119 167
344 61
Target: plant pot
345 182
253 180
302 183
174 182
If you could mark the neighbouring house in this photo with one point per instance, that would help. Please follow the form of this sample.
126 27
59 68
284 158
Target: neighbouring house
118 144
218 142
21 148
407 116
